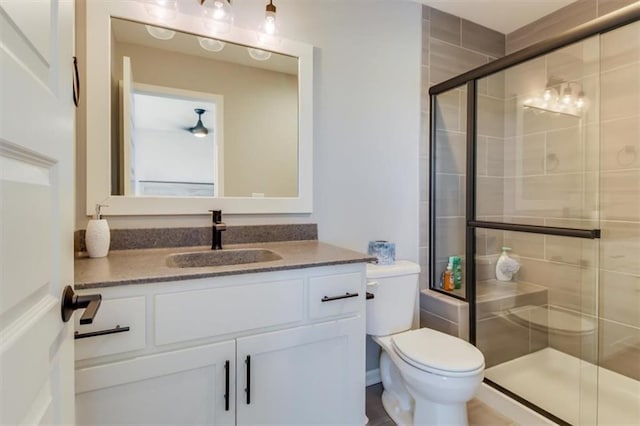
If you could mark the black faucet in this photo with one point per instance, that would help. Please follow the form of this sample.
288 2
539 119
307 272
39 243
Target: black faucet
216 229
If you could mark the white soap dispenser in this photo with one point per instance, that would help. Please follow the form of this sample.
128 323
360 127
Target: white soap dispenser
506 266
97 238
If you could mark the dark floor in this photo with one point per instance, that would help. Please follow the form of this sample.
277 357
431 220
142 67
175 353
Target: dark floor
479 413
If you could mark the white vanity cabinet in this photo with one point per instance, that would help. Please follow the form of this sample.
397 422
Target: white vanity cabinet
243 349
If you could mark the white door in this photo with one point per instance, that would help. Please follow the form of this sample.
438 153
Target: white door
307 375
36 210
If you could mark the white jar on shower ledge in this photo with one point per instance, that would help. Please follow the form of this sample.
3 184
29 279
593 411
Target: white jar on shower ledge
98 237
506 266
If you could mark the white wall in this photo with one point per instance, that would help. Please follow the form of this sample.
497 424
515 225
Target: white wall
366 121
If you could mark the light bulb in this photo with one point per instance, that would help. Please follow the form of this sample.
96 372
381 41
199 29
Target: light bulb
218 15
580 100
163 10
268 29
547 94
566 96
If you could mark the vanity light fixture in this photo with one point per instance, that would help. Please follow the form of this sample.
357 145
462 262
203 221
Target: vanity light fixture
559 97
268 27
218 15
164 10
199 131
211 44
160 33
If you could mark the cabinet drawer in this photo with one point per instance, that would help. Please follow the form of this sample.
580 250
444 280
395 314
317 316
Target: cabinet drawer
126 312
204 313
326 295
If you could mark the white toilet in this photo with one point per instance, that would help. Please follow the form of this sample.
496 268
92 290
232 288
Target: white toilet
427 376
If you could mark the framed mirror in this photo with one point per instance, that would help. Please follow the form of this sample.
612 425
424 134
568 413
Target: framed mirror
181 120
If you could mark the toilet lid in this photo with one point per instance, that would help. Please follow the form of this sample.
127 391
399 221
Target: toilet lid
430 350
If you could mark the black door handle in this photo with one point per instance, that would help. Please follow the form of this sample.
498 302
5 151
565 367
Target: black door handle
248 388
76 82
226 386
71 301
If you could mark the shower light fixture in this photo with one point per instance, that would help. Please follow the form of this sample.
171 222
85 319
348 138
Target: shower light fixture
559 97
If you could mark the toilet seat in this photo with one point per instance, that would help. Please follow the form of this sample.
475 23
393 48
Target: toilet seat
438 353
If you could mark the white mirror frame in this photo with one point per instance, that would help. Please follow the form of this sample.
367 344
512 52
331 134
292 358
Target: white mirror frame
98 101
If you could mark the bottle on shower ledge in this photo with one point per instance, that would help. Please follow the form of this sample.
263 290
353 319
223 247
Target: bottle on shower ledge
506 266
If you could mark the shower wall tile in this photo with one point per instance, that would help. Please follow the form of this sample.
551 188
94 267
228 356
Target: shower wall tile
570 286
451 151
574 62
526 78
502 340
620 195
575 251
495 85
580 346
495 157
619 348
524 155
565 152
523 244
490 196
448 61
445 27
620 247
557 196
424 224
490 116
447 195
435 322
426 29
557 22
481 155
535 122
620 47
619 92
449 237
449 111
423 175
423 261
620 298
620 147
482 39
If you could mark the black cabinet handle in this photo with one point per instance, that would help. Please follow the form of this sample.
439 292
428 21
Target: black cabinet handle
71 301
370 296
118 329
345 296
226 386
248 388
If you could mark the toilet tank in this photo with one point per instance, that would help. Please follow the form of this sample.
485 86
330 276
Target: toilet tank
395 289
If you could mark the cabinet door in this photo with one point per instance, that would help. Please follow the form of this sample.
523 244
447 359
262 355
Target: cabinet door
179 387
306 375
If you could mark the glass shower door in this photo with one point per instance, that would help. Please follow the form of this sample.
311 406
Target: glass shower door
537 190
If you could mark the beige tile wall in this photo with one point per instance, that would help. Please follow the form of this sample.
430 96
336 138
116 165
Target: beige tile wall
551 171
588 277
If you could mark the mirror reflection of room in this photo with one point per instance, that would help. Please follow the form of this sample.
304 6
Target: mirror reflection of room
249 101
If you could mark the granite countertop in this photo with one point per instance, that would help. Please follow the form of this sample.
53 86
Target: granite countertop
140 266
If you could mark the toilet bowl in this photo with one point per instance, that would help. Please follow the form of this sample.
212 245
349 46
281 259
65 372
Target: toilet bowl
427 376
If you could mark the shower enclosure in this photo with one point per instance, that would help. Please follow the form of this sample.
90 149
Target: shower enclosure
539 151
